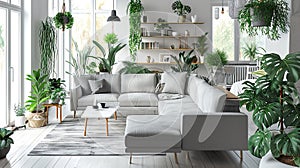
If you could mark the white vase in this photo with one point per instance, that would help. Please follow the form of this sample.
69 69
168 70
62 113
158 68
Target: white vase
269 161
194 18
201 59
20 121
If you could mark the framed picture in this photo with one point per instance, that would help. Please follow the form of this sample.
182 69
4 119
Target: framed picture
165 58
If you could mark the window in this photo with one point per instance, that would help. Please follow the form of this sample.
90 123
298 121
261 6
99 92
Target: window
10 59
227 36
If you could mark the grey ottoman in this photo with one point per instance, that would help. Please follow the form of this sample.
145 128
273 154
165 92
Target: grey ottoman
152 134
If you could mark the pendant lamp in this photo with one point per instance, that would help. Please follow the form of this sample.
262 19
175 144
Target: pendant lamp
113 17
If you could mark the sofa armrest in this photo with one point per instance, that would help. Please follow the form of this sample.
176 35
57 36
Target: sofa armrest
214 131
76 93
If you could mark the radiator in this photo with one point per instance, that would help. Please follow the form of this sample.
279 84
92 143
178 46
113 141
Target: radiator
236 73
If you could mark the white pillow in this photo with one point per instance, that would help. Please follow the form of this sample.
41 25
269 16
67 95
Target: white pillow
210 99
174 82
138 83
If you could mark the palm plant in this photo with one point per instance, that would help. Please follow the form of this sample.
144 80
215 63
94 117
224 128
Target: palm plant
274 100
217 58
185 62
133 68
47 44
80 62
108 60
251 51
201 44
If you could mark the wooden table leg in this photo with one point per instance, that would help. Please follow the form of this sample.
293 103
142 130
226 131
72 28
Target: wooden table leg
56 112
106 123
60 116
85 126
115 115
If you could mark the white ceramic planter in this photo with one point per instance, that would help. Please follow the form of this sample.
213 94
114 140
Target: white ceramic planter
269 161
20 121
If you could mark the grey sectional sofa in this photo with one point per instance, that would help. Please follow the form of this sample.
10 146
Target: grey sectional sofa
193 121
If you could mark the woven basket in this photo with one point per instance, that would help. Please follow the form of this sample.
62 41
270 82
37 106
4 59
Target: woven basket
36 120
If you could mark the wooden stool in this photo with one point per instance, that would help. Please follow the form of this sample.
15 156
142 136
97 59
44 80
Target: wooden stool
58 106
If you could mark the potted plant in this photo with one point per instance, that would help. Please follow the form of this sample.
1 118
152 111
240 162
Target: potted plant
39 95
20 115
251 50
185 63
133 68
108 60
274 101
161 25
202 46
5 142
268 17
57 91
217 58
63 19
134 9
181 10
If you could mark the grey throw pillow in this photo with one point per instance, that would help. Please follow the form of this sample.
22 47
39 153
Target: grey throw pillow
95 85
174 82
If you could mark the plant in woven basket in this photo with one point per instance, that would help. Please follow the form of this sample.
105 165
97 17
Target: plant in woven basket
274 101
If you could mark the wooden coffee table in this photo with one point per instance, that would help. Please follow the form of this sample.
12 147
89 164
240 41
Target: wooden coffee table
106 113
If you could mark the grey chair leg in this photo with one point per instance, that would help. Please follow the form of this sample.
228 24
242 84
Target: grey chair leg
241 155
74 114
176 159
130 158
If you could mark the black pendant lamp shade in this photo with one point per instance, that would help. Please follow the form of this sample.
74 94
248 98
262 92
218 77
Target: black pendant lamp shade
113 16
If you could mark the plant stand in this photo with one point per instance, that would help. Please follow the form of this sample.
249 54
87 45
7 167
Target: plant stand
58 108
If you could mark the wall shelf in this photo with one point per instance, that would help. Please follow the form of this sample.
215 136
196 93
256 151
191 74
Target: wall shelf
170 36
174 23
158 49
161 63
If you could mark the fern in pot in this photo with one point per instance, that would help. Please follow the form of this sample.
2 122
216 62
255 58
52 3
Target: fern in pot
266 17
274 101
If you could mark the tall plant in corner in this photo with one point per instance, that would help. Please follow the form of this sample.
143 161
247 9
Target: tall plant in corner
274 101
134 9
47 44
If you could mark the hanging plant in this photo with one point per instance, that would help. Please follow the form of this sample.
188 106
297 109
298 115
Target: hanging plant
134 9
63 19
269 17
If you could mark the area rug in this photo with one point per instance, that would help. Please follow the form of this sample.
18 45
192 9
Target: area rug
67 139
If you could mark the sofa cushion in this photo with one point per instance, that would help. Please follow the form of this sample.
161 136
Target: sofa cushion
174 82
138 100
83 81
152 131
89 100
138 83
210 98
113 81
193 86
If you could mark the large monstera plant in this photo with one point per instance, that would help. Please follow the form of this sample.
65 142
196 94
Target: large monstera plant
274 101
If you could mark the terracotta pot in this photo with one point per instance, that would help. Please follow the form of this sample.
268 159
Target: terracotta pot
4 152
36 120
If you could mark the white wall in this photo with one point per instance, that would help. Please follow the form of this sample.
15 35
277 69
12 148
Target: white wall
295 27
34 12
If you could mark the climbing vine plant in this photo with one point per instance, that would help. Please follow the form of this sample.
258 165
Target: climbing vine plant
134 9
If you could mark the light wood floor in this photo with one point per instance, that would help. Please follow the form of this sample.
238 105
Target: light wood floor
25 140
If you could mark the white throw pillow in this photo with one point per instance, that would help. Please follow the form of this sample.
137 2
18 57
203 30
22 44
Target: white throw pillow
174 82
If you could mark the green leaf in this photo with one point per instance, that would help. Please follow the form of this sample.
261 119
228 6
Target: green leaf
259 143
288 143
297 160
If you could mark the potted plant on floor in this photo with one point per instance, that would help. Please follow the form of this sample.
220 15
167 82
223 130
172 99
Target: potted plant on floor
5 142
39 95
181 10
274 101
185 62
268 17
57 91
20 115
